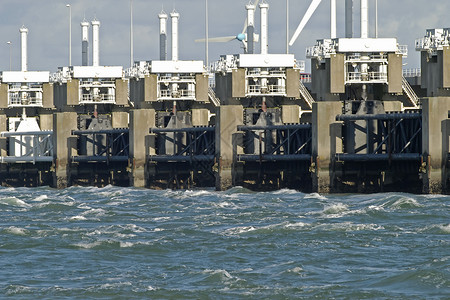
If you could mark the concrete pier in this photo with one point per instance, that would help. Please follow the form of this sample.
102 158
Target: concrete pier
64 146
141 120
325 142
227 120
435 142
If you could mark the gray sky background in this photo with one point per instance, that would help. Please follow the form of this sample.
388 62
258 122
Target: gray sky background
47 21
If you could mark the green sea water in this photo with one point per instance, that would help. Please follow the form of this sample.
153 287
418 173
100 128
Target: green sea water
126 243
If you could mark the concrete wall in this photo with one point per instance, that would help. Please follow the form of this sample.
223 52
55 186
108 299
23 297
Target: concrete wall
238 83
119 119
434 117
122 92
293 83
3 140
46 121
395 74
141 121
73 92
326 142
3 95
201 87
227 120
64 146
337 74
48 95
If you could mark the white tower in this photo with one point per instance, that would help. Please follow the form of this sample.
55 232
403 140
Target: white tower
333 19
175 16
84 43
96 43
163 35
264 28
250 28
24 47
364 19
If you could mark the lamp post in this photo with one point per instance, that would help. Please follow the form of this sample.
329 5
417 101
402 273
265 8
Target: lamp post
287 26
9 43
70 34
131 35
207 36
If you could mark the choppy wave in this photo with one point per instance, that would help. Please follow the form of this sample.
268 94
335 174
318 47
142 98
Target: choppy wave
132 243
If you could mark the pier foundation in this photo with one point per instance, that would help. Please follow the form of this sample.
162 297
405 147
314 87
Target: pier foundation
227 120
65 146
326 140
141 120
435 143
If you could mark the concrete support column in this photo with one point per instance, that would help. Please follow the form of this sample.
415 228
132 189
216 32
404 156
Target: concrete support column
326 142
227 119
64 146
3 140
434 142
119 119
46 121
141 120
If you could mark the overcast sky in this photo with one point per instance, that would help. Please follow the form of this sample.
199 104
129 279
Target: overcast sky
48 24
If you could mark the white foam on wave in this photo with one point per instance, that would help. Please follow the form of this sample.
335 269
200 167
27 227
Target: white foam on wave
78 218
315 196
13 201
405 202
40 198
439 228
239 230
335 209
348 226
285 192
16 230
88 245
223 273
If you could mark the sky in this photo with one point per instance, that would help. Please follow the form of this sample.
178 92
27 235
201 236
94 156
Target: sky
48 24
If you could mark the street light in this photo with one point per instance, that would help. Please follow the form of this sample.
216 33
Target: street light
70 34
9 43
131 35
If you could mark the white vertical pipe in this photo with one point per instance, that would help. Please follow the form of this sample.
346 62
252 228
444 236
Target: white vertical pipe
131 35
376 18
95 43
287 26
333 19
364 19
348 18
24 47
84 43
175 16
162 35
250 28
264 28
207 35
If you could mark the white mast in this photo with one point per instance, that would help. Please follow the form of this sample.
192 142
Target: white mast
264 28
333 19
96 43
162 35
84 43
24 44
364 19
250 28
175 16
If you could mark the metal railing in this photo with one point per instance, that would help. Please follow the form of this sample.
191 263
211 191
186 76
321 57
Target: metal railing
34 146
409 92
168 94
17 99
416 72
100 98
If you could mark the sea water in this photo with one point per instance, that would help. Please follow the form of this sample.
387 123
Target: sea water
127 243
